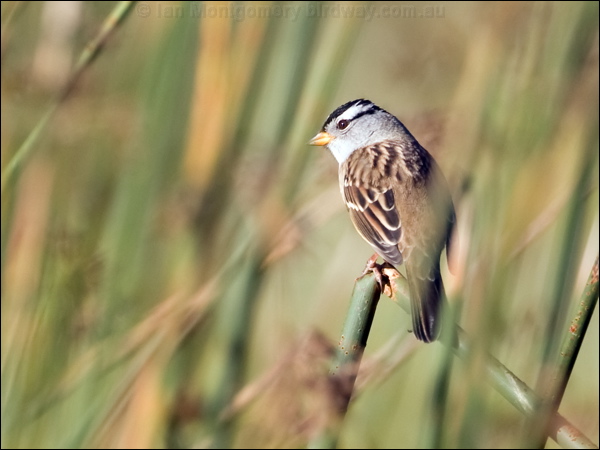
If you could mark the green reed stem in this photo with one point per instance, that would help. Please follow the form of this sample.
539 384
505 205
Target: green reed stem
354 338
346 361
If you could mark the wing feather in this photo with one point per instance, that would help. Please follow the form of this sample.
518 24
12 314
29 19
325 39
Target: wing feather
370 199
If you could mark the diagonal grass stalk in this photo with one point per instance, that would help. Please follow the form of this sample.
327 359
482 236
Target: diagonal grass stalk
89 53
353 340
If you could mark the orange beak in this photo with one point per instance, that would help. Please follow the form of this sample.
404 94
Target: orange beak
321 139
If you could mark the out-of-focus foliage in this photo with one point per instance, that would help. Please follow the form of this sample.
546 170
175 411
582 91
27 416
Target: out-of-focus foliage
176 261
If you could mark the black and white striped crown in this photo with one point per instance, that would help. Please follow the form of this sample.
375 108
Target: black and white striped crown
353 110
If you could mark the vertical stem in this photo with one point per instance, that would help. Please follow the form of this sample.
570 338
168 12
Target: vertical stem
344 367
237 351
574 337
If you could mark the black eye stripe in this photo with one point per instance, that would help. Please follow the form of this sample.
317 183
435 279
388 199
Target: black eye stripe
365 113
343 124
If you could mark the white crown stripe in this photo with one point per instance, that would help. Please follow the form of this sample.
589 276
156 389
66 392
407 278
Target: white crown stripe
355 111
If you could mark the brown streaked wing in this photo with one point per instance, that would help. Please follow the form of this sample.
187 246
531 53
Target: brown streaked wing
372 208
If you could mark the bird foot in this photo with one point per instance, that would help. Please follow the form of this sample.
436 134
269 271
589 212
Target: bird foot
384 274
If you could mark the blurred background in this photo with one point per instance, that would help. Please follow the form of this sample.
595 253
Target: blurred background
177 262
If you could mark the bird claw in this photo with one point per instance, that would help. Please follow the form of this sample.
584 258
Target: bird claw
383 273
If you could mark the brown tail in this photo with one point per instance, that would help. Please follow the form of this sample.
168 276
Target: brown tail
426 297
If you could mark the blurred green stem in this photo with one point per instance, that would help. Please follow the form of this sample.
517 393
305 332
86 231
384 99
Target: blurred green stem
516 391
551 380
237 351
219 189
330 70
89 53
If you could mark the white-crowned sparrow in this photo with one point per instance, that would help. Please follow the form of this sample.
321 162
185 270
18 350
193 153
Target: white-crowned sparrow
398 200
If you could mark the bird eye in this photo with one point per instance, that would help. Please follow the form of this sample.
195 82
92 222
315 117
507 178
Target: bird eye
343 124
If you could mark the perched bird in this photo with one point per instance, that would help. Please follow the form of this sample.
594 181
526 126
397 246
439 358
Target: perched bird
398 200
